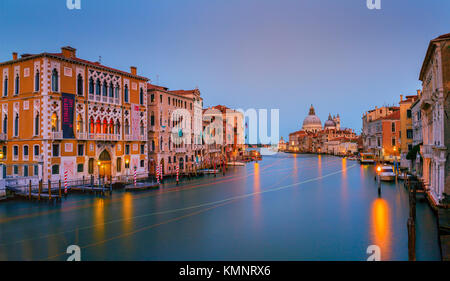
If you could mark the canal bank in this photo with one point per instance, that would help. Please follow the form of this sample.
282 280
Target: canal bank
285 207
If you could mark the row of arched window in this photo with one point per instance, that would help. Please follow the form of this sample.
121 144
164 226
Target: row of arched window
97 87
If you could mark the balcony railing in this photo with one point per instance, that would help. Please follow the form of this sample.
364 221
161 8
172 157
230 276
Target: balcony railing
3 136
56 135
180 150
38 158
82 136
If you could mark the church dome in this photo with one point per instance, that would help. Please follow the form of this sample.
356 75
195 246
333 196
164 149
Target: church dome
329 124
312 122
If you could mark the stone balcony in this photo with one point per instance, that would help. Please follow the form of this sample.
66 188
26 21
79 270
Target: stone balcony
104 137
56 135
180 150
82 136
426 150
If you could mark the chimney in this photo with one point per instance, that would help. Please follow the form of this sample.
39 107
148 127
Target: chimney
133 70
14 55
401 97
68 52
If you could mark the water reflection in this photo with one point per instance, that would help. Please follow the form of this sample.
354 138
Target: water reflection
127 212
257 189
99 219
319 165
381 228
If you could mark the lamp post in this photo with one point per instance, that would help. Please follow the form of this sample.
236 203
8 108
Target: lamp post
127 163
379 179
1 163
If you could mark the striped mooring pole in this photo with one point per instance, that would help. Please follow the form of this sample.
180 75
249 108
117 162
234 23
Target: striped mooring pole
134 176
161 172
157 174
65 182
178 172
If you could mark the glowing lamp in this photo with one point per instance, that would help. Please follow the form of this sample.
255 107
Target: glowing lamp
379 169
98 163
1 154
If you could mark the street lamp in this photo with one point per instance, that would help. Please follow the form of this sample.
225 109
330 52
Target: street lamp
127 162
1 163
98 165
379 179
396 160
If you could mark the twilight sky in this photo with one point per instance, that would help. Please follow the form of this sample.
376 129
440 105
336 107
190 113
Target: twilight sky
286 54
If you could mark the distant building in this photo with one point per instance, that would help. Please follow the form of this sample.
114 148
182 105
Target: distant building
331 139
282 145
372 130
390 137
312 123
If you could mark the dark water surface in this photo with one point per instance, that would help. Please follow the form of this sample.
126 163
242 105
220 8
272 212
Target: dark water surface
286 207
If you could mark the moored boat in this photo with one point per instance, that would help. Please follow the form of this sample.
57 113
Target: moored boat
387 173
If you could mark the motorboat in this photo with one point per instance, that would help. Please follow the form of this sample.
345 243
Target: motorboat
386 173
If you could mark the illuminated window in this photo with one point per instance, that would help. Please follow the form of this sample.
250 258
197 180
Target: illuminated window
54 122
79 124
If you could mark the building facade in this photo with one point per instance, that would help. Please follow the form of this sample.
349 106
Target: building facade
372 131
406 130
63 114
171 130
435 105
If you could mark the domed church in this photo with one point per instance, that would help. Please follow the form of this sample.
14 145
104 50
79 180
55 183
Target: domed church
312 122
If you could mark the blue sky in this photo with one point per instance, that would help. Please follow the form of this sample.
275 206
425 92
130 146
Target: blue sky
286 54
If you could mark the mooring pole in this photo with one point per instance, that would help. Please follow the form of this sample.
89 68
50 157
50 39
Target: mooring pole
29 190
59 189
411 240
39 190
49 190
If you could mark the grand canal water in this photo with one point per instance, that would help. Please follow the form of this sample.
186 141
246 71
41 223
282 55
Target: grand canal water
286 207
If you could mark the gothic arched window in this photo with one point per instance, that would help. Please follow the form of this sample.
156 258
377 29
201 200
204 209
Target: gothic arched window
79 85
91 86
55 86
36 81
